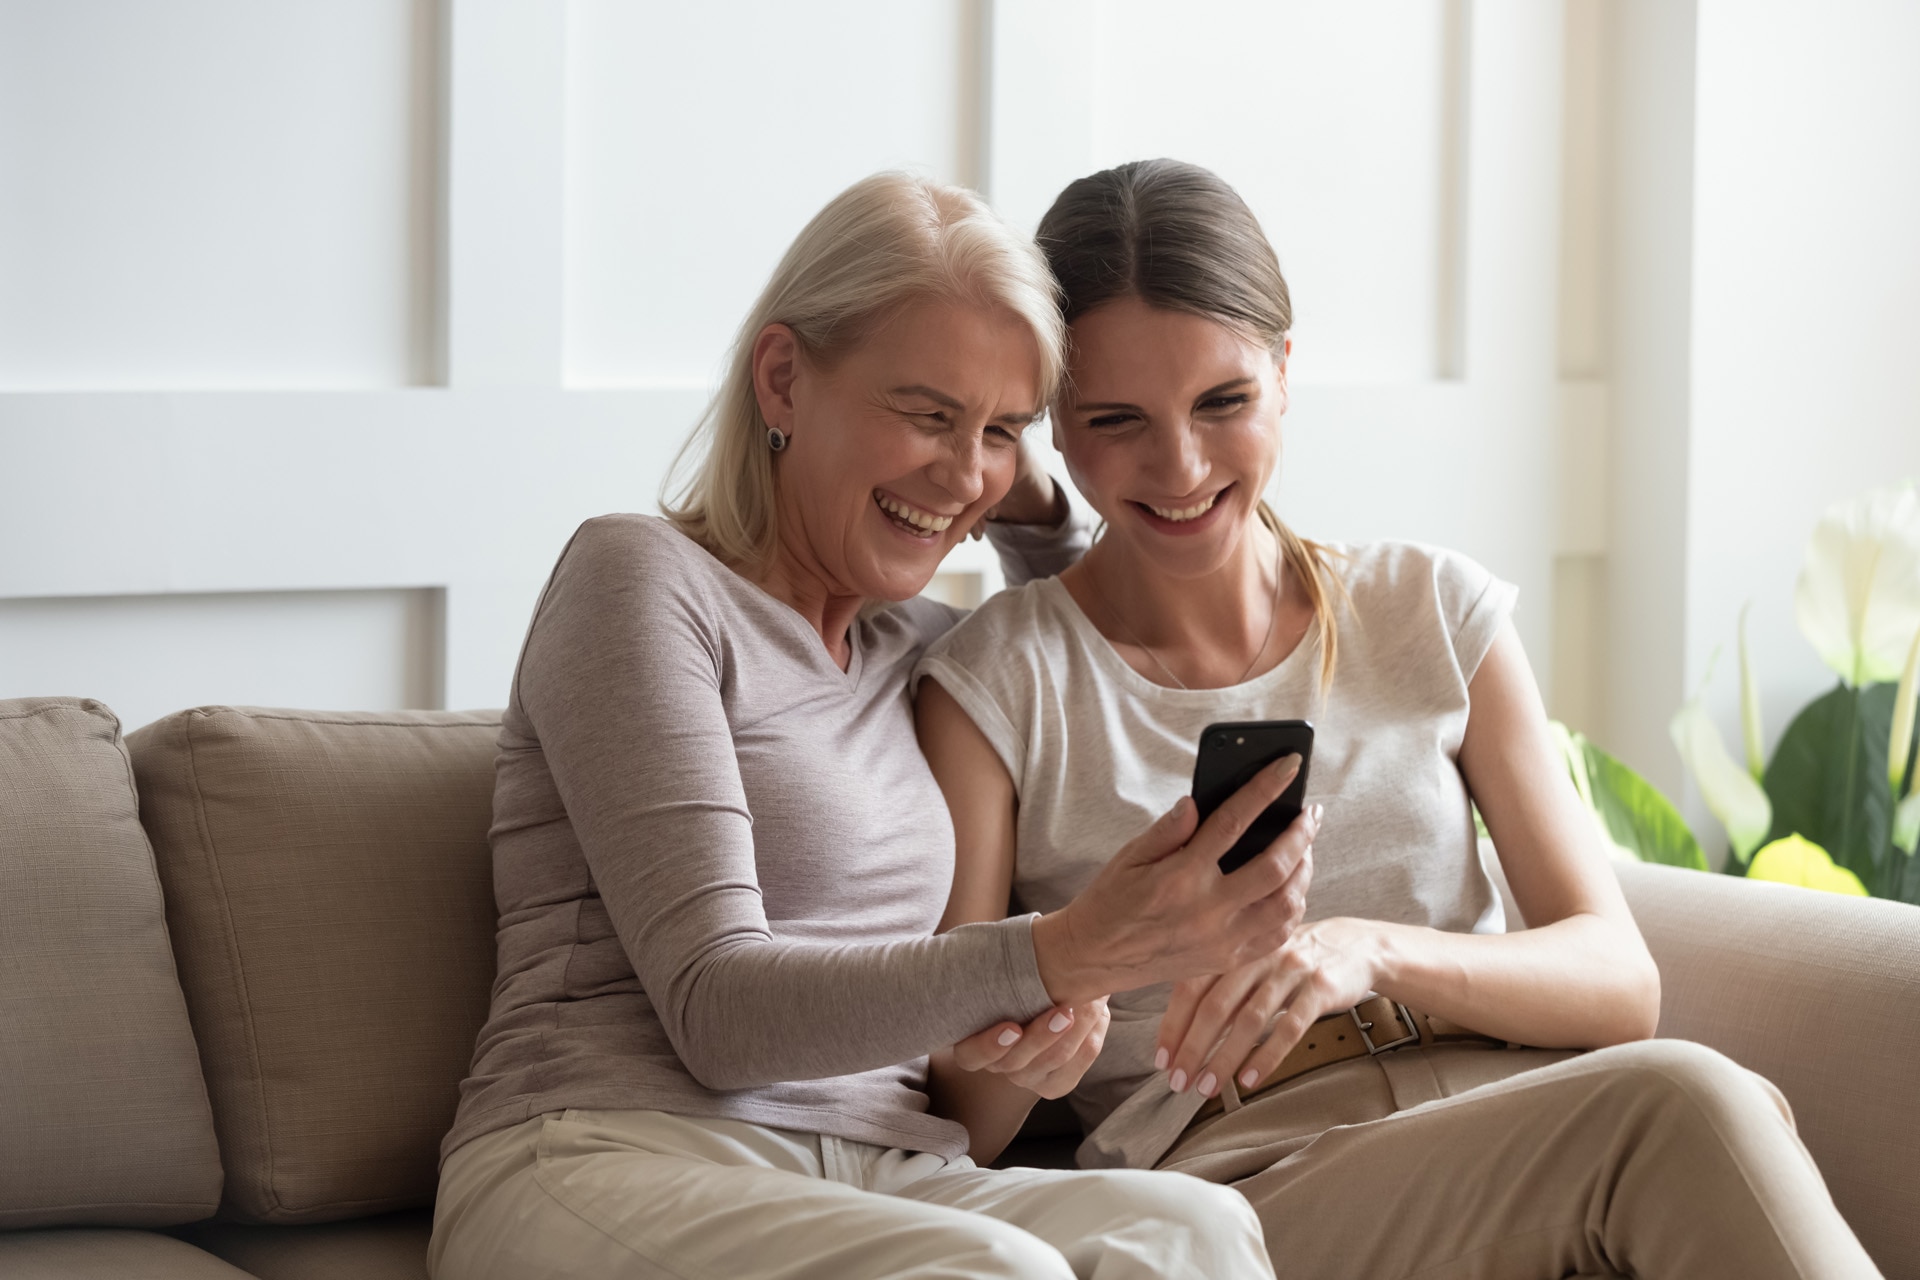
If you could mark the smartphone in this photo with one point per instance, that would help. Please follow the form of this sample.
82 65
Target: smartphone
1230 754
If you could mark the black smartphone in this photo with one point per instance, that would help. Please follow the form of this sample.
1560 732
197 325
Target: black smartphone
1229 756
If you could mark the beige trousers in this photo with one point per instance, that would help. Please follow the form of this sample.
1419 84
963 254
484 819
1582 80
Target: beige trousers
607 1195
1656 1159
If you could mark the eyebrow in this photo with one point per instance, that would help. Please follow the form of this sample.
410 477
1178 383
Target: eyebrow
1228 385
946 401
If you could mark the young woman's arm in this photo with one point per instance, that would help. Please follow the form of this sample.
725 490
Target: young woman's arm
992 1096
1581 977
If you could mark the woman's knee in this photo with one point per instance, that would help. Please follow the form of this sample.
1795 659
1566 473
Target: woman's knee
995 1248
1695 1077
1218 1220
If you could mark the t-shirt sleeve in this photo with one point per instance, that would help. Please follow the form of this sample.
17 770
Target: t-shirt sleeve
987 665
1473 604
621 680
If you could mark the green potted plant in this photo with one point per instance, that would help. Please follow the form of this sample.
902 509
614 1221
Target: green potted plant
1837 806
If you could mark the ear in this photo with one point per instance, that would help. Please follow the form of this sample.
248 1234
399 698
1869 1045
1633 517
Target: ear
776 361
1280 360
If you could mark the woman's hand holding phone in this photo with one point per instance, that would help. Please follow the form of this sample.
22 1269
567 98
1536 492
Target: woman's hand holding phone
1161 911
1048 1056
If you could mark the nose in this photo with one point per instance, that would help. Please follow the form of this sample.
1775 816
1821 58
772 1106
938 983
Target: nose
1179 457
961 468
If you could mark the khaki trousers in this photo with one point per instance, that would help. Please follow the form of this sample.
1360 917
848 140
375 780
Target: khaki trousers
1656 1159
605 1195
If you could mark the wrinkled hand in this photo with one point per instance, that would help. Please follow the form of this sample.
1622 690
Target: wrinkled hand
1160 911
1218 1027
1033 499
1047 1056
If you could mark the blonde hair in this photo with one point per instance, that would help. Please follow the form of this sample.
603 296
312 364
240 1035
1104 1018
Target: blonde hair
1176 236
883 243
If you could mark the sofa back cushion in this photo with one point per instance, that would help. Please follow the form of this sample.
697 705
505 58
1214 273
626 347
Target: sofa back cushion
103 1113
330 891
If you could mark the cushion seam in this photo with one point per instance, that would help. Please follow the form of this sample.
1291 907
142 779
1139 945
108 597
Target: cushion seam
208 714
232 941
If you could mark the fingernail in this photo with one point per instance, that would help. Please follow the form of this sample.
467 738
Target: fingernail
1160 1059
1249 1078
1179 1082
1317 810
1059 1022
1206 1084
1008 1036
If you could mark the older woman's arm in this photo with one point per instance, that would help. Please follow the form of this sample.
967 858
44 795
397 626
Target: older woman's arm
621 679
1036 530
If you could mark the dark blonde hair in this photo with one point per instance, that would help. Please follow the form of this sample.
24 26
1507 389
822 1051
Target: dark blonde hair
886 241
1175 236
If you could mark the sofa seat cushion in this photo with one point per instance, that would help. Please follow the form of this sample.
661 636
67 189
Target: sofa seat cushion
92 1253
103 1112
390 1247
330 891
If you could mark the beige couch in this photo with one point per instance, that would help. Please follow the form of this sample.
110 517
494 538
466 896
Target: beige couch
243 956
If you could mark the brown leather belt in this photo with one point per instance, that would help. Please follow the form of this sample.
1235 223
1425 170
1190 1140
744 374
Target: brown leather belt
1371 1027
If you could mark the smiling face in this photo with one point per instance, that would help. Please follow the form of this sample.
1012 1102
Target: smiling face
898 447
1170 426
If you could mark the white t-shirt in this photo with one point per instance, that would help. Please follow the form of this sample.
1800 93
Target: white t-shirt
1097 752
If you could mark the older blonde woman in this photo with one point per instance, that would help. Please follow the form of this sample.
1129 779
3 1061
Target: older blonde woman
720 856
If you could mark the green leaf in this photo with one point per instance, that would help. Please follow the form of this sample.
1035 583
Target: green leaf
1828 780
1638 817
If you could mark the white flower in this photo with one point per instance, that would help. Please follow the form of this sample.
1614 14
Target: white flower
1730 791
1858 600
1750 706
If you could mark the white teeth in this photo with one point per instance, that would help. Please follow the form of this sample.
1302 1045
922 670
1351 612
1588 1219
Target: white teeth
1183 513
913 515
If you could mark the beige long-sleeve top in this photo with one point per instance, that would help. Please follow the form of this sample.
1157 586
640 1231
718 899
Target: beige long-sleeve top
719 859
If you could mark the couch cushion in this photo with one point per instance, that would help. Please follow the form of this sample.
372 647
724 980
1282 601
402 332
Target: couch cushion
331 896
93 1254
103 1114
390 1247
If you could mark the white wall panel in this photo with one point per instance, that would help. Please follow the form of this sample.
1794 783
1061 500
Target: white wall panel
215 193
146 656
1806 311
700 139
1344 132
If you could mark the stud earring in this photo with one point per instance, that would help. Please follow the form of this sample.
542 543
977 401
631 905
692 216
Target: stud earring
776 439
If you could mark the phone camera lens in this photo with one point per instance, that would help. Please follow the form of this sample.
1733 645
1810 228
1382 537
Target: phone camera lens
1219 740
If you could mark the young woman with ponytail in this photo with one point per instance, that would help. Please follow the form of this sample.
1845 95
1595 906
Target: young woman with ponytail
1364 1084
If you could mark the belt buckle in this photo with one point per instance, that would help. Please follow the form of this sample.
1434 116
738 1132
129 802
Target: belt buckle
1406 1020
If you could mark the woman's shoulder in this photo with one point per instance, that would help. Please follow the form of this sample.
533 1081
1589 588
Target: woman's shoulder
627 549
633 539
1412 597
1010 620
1388 571
632 567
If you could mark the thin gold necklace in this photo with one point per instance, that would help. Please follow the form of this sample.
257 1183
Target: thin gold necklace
1273 618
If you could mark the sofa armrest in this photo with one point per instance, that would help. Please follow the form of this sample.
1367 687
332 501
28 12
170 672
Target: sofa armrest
1820 994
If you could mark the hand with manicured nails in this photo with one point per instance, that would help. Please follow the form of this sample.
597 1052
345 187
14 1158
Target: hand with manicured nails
1240 1024
1160 911
1047 1056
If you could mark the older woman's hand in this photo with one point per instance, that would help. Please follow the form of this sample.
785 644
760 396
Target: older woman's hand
1048 1056
1033 499
1160 910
